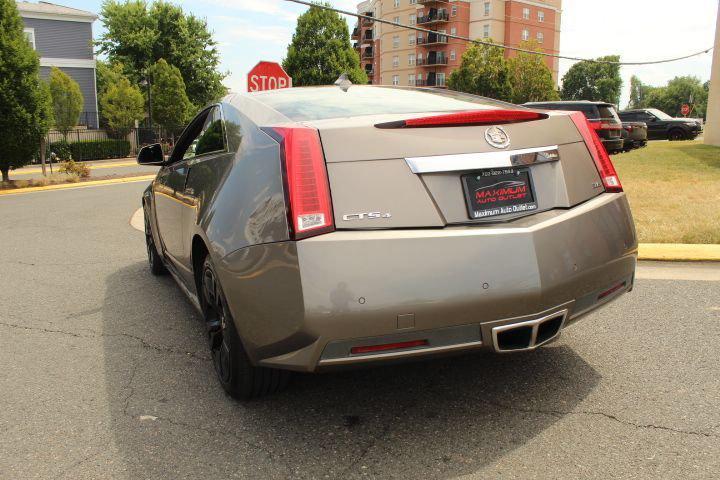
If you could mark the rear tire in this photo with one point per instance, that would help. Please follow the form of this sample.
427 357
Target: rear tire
156 264
236 374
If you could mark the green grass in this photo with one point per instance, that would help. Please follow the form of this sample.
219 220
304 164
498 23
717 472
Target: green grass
674 191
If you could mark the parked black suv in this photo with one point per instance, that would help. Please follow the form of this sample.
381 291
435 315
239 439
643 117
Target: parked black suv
662 126
601 115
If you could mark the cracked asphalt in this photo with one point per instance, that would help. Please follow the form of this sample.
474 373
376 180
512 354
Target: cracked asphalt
104 373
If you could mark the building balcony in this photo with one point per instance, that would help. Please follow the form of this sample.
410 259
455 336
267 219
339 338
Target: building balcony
438 17
366 22
426 2
369 72
433 61
430 82
368 35
367 53
355 33
432 40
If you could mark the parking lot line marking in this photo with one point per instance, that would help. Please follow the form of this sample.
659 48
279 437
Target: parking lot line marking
93 166
71 186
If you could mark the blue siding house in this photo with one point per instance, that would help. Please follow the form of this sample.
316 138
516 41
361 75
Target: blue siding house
62 36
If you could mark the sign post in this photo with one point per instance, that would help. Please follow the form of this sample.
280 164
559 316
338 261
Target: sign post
268 76
685 109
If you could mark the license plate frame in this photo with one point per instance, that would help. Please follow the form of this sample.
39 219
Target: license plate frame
495 192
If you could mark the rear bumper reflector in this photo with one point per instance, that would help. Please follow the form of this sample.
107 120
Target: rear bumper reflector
612 290
388 346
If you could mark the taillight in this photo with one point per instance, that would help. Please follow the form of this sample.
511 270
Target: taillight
473 117
609 176
306 181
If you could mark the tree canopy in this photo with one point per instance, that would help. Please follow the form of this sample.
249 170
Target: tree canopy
170 105
122 104
25 112
671 97
483 71
588 80
530 77
139 34
320 50
67 100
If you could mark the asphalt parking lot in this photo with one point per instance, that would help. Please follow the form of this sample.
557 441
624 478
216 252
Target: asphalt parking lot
104 373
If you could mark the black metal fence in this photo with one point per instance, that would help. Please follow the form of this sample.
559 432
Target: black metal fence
82 144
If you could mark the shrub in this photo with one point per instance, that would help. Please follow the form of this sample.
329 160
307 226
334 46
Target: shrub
73 168
90 149
60 149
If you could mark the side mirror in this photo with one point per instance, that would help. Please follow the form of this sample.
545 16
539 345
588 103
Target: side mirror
151 155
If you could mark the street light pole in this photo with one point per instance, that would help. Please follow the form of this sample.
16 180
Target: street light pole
146 82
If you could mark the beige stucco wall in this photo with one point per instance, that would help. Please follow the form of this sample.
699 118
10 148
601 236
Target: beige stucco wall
712 127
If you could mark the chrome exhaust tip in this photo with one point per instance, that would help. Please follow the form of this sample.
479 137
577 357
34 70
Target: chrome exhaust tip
530 334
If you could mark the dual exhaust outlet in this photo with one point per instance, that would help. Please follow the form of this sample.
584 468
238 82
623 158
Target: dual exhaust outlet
529 334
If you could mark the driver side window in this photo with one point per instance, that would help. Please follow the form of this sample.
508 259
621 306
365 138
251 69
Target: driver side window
210 138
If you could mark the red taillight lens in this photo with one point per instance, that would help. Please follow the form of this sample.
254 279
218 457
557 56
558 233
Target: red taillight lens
609 176
388 346
474 117
308 191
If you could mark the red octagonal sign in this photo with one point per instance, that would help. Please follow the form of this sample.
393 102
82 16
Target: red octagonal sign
268 76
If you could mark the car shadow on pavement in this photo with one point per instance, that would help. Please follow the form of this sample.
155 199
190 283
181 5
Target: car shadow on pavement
433 419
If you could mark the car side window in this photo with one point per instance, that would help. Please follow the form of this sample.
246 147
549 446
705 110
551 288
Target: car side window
210 138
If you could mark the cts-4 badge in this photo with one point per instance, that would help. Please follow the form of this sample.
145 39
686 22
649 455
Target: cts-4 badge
365 216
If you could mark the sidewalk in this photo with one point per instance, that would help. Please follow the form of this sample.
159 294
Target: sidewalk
115 166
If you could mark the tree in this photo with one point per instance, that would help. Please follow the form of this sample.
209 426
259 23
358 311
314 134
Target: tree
530 77
25 113
138 35
483 71
67 100
122 104
170 105
320 50
589 80
669 98
106 75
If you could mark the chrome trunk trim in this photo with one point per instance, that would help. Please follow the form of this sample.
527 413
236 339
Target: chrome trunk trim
478 161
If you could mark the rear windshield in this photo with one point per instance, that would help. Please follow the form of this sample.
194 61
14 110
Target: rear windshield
321 103
607 112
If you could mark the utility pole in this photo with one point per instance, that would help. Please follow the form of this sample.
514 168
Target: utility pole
712 128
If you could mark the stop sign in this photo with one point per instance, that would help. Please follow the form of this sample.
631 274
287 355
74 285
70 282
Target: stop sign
268 76
685 109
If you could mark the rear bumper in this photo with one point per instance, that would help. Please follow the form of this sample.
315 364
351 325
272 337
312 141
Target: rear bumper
304 305
613 144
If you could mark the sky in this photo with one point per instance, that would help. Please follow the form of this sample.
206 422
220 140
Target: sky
248 31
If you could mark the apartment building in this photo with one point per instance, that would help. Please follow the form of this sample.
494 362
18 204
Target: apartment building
398 56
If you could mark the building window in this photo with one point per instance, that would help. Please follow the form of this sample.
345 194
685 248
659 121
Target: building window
419 58
30 36
396 41
486 30
541 16
453 31
396 19
411 59
413 2
396 61
411 39
453 11
396 79
526 14
413 19
411 80
525 34
540 37
452 54
397 3
440 80
487 9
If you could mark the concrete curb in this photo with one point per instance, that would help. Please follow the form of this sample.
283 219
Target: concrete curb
72 186
679 252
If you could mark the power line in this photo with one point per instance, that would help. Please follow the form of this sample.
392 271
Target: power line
491 44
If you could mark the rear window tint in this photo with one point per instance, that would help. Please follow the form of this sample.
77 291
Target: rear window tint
321 103
607 112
